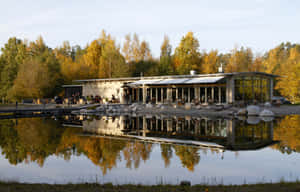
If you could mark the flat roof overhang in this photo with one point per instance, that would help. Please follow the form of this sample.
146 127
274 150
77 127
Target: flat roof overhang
70 86
128 79
180 81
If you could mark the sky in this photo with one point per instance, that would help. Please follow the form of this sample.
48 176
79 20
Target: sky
217 24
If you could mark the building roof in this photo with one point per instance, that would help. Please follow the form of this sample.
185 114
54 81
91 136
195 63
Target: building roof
128 79
71 85
177 81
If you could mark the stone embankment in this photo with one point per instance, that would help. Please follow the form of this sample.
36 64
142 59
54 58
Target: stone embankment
266 110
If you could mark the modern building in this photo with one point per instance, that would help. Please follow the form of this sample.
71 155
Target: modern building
216 88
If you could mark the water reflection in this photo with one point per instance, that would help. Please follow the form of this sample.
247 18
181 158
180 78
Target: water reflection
201 131
287 131
108 141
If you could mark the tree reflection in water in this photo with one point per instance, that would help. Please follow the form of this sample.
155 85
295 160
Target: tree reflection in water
35 139
287 131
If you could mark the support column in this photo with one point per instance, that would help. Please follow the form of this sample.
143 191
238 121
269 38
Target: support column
197 127
219 89
271 89
270 131
162 95
144 94
150 95
230 132
200 95
206 131
176 97
212 94
196 93
138 95
144 126
169 125
189 95
151 125
169 94
205 94
156 95
122 96
230 90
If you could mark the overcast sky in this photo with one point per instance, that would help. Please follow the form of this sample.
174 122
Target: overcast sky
218 24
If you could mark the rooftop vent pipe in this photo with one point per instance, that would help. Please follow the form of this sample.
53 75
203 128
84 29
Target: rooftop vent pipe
193 72
220 69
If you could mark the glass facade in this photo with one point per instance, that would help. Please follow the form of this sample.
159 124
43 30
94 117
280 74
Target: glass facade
251 88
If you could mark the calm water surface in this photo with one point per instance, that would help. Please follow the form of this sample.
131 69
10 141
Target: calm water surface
149 149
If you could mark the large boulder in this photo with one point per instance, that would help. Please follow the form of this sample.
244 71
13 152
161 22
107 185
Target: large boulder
83 111
198 107
187 106
242 118
100 109
125 109
149 105
134 109
75 112
134 105
242 112
266 113
268 104
158 105
109 110
253 110
267 119
253 120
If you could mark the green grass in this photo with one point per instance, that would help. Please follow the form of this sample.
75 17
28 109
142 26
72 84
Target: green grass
282 186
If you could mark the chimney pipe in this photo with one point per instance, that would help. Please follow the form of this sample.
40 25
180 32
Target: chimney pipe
192 72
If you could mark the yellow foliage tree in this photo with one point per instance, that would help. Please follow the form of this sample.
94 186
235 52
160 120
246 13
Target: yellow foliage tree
187 55
210 62
240 60
289 81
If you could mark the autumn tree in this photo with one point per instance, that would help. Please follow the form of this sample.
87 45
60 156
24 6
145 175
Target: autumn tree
257 65
39 75
70 69
138 56
127 49
92 59
240 60
103 58
187 55
210 62
289 81
112 63
165 61
275 57
12 55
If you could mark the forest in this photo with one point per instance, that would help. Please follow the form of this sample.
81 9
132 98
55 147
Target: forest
31 69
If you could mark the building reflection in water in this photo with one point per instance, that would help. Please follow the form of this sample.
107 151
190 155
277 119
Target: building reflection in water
243 134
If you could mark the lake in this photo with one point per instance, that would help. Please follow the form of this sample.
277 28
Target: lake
149 149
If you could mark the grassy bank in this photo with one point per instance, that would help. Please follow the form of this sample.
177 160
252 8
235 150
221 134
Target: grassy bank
12 187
